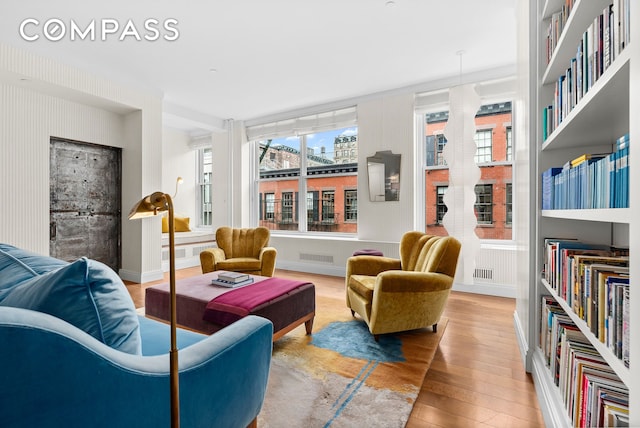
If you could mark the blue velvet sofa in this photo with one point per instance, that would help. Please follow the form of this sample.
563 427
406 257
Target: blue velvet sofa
76 354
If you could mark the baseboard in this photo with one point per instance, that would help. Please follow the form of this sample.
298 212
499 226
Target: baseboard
521 337
549 398
140 277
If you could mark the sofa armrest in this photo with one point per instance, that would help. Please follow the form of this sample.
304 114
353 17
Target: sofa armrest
209 257
268 260
371 265
56 375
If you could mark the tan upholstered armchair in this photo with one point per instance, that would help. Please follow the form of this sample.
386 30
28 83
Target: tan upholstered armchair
240 250
394 295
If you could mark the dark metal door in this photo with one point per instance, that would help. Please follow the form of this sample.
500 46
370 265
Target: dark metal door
85 194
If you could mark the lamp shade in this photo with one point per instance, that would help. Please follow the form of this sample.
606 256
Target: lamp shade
149 206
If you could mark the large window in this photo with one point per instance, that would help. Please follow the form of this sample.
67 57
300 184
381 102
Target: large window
204 187
321 164
493 155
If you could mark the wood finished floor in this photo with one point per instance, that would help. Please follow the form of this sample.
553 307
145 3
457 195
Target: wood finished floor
476 379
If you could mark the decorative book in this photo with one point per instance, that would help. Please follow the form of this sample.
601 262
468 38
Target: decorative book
233 276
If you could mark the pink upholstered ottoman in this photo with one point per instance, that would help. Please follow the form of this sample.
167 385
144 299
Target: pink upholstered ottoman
286 311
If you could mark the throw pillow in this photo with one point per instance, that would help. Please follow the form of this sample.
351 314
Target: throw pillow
17 265
87 294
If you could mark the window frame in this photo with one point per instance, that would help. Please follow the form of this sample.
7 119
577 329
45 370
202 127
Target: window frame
204 188
480 207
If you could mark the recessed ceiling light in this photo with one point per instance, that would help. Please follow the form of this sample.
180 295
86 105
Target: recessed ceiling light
390 3
213 70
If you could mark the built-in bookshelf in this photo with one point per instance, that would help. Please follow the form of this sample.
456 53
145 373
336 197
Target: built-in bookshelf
585 98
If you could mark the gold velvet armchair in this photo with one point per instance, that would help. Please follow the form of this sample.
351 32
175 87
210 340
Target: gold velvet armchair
240 250
394 295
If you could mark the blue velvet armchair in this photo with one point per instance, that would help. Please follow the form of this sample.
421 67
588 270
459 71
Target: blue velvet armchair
76 354
56 375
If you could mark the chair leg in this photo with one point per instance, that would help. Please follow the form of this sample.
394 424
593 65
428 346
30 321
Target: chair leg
435 328
376 337
353 314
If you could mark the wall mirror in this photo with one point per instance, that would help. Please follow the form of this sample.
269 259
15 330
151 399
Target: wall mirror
384 176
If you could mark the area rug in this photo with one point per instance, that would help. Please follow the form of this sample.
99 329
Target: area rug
341 377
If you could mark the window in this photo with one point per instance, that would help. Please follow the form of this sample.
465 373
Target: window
483 142
493 140
508 204
328 206
351 205
509 156
269 206
204 187
441 208
313 211
484 203
435 146
308 163
287 207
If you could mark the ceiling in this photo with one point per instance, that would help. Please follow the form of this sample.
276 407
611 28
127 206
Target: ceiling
246 59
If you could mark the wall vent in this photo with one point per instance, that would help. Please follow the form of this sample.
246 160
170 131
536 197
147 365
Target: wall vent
318 258
197 250
483 273
181 253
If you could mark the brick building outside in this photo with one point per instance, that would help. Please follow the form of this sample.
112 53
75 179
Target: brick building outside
494 157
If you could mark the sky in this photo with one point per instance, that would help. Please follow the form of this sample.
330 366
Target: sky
317 140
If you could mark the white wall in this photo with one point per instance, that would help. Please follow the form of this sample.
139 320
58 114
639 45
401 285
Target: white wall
179 161
40 98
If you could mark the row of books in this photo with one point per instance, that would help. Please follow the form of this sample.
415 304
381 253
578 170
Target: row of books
594 282
589 181
593 395
599 46
556 27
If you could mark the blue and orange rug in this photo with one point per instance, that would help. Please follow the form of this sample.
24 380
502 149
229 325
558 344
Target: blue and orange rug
341 377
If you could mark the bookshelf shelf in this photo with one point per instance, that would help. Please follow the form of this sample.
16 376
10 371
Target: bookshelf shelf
616 364
612 215
582 15
593 120
596 117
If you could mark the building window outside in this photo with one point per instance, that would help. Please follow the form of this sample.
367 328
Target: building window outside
484 203
328 206
441 208
351 205
269 206
205 171
435 146
509 156
484 143
509 204
287 207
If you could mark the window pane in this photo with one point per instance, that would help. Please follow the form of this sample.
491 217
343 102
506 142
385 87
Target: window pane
330 174
204 185
494 148
279 163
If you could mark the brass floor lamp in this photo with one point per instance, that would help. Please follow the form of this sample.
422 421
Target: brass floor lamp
149 206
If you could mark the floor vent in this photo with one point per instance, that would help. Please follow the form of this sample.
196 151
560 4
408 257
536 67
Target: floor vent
319 258
482 273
